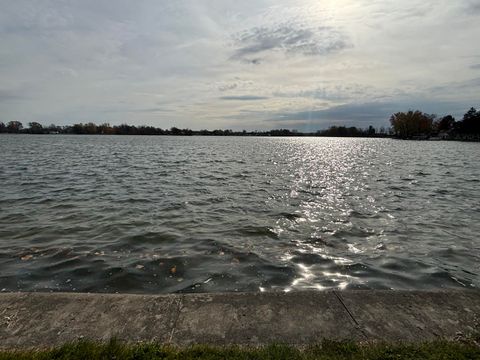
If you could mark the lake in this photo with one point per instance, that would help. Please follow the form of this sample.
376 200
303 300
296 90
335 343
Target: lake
223 214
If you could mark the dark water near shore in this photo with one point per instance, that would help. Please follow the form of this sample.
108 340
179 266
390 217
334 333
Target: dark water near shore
201 214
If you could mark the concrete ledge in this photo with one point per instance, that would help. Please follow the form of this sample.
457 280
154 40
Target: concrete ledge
47 319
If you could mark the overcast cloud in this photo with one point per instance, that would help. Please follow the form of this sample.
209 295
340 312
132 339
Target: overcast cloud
253 64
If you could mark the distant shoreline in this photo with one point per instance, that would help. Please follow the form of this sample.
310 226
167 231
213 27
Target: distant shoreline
211 135
258 135
411 125
125 129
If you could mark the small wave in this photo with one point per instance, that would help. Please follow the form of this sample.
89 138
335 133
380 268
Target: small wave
257 231
291 216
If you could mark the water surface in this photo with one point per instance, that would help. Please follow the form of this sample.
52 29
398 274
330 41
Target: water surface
211 214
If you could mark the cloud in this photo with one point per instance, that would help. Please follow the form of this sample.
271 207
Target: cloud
366 112
243 97
139 110
224 63
227 87
334 92
289 38
236 83
470 84
7 95
149 110
473 7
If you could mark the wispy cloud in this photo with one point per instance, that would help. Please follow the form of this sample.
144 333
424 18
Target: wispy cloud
9 95
473 6
367 112
334 92
243 97
290 39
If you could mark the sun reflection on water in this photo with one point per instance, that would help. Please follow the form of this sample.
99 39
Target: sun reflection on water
330 205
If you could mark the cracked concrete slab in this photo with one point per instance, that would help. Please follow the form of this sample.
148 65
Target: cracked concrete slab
414 315
262 318
29 320
39 320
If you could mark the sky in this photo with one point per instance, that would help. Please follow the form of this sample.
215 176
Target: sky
250 64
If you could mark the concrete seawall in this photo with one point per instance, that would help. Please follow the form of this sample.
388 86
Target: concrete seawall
48 319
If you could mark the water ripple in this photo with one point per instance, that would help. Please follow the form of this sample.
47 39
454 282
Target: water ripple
200 214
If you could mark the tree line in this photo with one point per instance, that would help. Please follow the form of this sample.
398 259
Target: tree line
413 124
419 125
124 129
